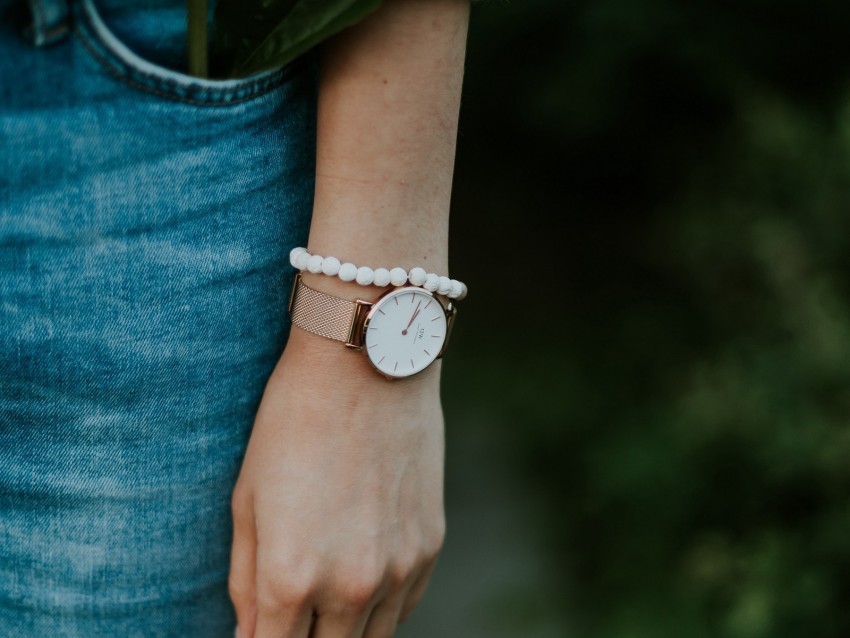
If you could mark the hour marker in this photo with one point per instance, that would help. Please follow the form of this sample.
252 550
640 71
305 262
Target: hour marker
373 327
437 336
412 297
411 364
381 311
382 358
396 300
396 366
428 304
426 352
373 345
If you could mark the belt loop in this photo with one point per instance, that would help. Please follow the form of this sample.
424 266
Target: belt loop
49 21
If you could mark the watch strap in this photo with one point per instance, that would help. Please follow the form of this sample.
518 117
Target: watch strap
320 313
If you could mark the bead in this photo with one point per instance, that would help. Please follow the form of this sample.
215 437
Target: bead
314 264
365 276
382 277
398 276
445 285
432 282
416 276
330 266
293 254
301 260
348 271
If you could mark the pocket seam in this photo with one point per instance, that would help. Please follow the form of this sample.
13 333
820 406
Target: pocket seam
170 89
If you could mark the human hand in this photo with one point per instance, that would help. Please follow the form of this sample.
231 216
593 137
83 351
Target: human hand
338 510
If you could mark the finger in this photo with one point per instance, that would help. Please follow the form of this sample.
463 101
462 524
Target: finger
243 566
340 626
283 622
416 591
284 605
385 617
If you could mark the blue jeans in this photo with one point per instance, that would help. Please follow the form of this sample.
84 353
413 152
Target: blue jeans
145 223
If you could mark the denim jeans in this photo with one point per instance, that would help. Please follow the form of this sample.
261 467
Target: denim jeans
145 223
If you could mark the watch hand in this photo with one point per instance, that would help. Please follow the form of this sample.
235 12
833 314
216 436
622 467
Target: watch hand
410 323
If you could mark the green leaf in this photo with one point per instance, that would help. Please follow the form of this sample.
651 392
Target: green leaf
197 29
256 35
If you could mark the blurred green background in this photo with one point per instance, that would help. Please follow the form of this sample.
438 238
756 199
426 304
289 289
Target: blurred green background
648 387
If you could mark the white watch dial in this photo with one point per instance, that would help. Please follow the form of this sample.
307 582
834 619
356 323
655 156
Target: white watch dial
405 331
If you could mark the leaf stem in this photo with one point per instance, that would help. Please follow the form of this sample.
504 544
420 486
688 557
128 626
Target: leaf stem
197 30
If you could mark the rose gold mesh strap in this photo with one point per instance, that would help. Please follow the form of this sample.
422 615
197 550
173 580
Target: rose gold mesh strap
321 314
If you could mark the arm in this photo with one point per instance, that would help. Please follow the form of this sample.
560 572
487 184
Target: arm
338 510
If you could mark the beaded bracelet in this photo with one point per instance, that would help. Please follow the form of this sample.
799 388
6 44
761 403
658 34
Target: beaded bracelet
365 276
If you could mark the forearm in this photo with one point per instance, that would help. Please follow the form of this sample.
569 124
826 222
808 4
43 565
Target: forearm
338 510
389 100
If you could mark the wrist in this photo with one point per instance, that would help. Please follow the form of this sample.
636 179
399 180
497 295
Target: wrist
335 286
331 364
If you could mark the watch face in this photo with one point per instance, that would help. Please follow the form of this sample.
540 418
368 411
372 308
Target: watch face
404 331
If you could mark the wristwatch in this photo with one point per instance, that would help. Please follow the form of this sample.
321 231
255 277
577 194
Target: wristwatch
401 333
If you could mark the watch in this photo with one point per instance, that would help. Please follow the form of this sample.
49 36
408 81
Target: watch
401 333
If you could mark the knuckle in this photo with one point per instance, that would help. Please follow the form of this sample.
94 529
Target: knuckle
358 590
357 596
275 593
400 571
267 602
404 568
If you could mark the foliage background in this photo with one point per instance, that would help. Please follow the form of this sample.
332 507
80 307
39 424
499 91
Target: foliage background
647 392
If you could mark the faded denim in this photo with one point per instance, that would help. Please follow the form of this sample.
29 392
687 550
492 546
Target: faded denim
145 223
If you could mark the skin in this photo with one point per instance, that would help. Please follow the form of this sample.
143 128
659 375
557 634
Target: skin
338 510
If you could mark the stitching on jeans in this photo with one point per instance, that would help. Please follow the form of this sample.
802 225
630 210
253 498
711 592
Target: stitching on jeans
128 79
56 31
125 73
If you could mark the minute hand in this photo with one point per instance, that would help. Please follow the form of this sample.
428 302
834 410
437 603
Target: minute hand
412 319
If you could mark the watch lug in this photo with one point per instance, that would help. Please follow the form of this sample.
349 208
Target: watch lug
355 336
451 311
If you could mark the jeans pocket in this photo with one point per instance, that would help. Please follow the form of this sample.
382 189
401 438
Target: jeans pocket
121 62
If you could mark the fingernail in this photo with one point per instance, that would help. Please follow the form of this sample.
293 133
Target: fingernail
236 632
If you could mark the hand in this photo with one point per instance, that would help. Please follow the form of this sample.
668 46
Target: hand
338 509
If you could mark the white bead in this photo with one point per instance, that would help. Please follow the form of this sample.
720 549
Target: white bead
445 285
365 276
398 276
462 292
417 275
382 277
314 264
348 271
293 254
330 266
457 288
432 282
301 260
